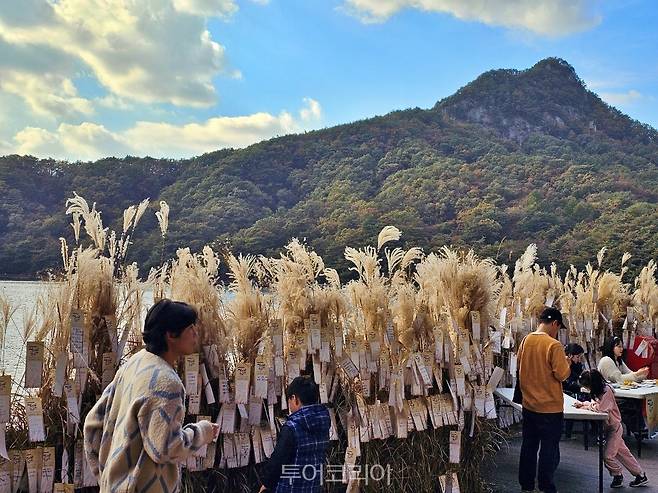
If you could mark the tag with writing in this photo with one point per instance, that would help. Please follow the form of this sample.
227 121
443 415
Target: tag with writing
5 398
72 402
34 413
194 404
47 469
60 373
459 378
109 368
315 331
496 376
207 387
192 374
455 446
475 325
261 375
224 392
34 365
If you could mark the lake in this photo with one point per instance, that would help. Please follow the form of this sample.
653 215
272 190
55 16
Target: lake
22 296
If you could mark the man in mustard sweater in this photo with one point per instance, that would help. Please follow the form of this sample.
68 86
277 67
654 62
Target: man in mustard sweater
543 367
134 437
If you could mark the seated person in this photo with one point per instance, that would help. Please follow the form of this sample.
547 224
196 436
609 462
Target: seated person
613 368
575 353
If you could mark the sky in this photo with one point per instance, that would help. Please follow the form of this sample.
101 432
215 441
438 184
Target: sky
85 79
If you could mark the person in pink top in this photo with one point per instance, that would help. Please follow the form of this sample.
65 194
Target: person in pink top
616 451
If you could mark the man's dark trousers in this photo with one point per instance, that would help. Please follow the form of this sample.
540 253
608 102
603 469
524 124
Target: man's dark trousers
541 432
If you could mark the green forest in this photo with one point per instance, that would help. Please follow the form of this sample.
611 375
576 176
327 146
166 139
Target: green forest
514 157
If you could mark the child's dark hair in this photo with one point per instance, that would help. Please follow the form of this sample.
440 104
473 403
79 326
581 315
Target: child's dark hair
594 381
573 349
166 316
305 389
608 348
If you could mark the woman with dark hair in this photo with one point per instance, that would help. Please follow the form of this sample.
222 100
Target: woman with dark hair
134 437
613 368
616 451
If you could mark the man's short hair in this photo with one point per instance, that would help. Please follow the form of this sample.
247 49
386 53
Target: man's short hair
166 316
305 389
573 349
550 314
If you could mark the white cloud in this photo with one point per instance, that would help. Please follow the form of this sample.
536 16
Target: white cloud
621 98
209 8
89 141
544 17
312 112
150 51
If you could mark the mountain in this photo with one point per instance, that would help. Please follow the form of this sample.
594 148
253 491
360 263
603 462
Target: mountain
513 157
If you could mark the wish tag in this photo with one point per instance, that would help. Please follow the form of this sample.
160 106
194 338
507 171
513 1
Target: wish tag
48 469
242 377
109 368
34 413
475 325
34 365
113 335
261 375
455 446
315 331
459 378
205 382
192 374
5 398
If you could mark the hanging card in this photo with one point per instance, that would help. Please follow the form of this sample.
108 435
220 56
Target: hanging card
35 424
455 446
191 368
34 365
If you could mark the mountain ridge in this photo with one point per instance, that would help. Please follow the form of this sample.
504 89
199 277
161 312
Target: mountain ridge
511 158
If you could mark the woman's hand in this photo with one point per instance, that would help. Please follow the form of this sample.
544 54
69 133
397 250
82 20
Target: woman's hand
577 404
643 372
262 488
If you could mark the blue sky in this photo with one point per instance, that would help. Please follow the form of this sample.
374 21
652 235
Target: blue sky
81 79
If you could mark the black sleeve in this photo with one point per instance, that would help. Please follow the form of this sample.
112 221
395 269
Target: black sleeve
284 454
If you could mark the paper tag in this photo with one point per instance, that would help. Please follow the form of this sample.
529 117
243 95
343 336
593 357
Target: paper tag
261 375
479 400
255 410
641 348
5 476
34 413
224 392
3 441
512 364
207 388
34 365
192 374
194 404
111 325
78 465
227 416
33 464
47 470
60 373
455 446
72 402
242 377
475 325
77 331
459 378
5 398
109 368
277 337
315 331
349 367
496 376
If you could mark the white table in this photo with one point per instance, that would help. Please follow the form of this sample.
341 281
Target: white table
572 413
638 394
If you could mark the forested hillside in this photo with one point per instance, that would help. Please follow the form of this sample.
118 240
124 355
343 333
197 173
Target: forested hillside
513 157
